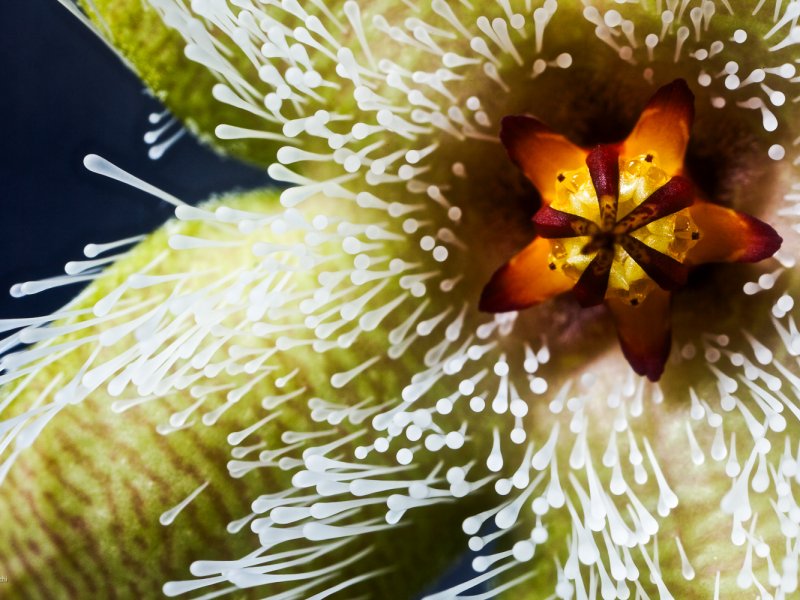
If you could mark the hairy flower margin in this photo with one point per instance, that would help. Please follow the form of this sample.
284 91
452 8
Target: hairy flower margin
311 398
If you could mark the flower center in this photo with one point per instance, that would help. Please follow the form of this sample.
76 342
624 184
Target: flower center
620 232
629 229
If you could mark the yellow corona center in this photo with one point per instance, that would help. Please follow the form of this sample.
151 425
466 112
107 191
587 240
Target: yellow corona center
673 235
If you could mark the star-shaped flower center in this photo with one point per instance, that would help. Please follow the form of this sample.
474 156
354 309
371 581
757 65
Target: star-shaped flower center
624 234
621 224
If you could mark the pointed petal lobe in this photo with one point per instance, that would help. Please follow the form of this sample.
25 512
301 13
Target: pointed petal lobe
539 152
526 280
663 127
644 332
727 235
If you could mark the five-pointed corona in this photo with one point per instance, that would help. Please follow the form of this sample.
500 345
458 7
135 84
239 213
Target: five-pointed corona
621 224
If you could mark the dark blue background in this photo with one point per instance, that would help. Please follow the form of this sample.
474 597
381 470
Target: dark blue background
66 95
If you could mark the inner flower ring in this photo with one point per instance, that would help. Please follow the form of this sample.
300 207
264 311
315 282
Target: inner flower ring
642 248
621 224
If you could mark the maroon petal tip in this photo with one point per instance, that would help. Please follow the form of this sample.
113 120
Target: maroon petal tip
676 92
648 364
513 126
644 332
493 301
763 240
489 302
678 86
515 131
495 297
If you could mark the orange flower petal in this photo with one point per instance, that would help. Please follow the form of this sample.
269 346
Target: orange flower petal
663 127
525 280
539 152
727 235
644 332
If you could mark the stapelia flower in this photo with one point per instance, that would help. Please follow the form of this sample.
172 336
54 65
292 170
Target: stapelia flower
293 393
625 228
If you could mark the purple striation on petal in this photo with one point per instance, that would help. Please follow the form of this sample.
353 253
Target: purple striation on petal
591 287
667 272
671 197
552 223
